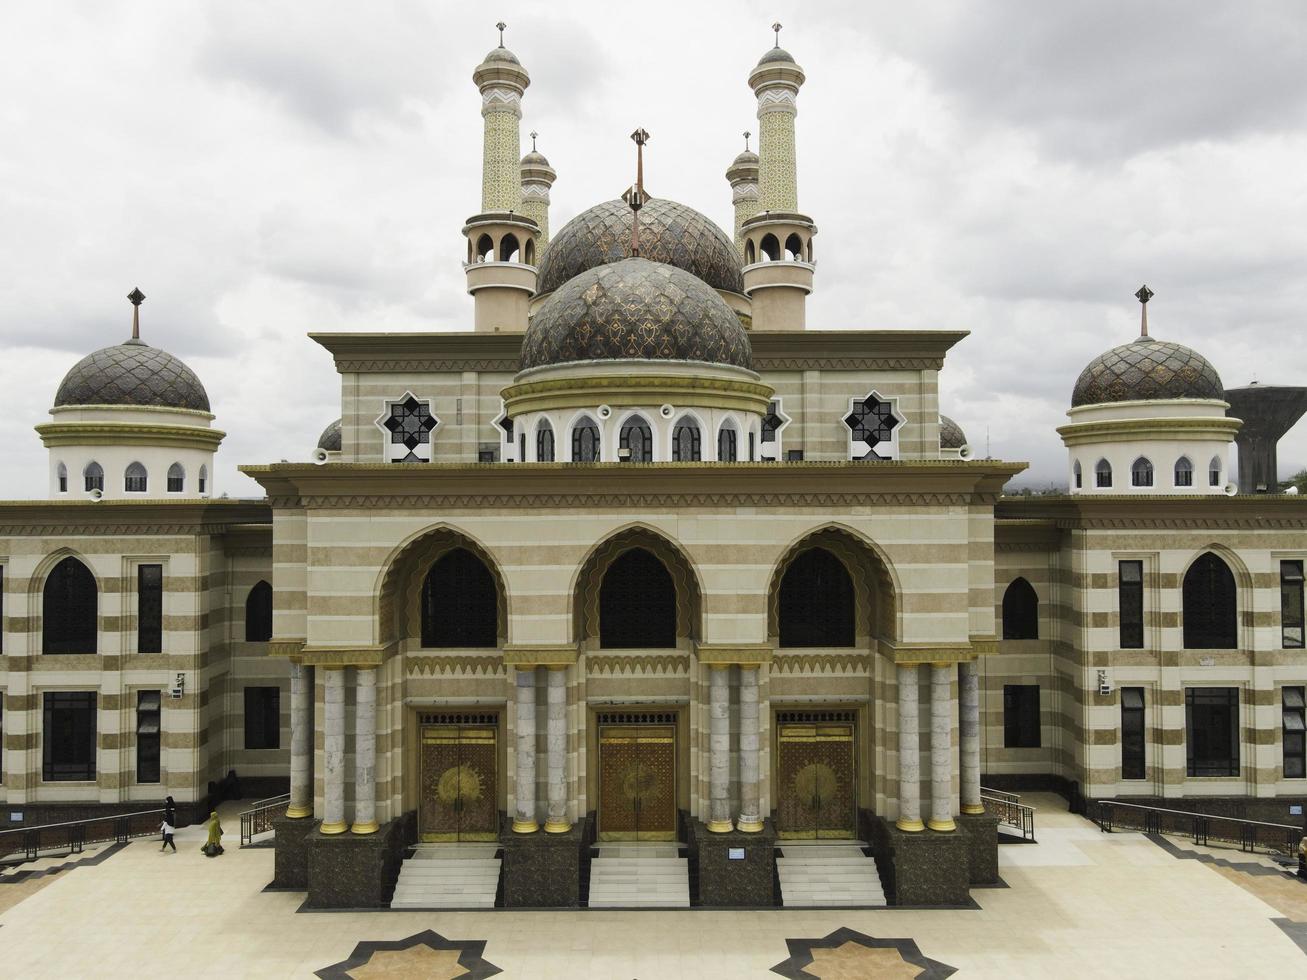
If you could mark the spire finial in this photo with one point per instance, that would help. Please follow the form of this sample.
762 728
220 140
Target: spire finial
1144 294
641 137
747 134
777 28
137 298
534 134
500 26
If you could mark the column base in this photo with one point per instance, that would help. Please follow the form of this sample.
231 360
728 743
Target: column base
349 872
370 827
720 826
749 825
735 869
297 811
909 826
525 826
982 830
545 870
922 869
973 809
557 826
335 827
942 825
291 858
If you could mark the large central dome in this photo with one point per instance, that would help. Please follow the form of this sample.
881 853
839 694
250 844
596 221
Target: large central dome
670 233
635 309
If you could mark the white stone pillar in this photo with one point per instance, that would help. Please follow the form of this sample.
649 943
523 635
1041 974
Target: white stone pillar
909 751
524 819
301 741
365 751
556 818
750 820
969 701
333 750
719 749
941 747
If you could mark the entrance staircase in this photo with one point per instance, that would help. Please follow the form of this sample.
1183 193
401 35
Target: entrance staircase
830 875
448 876
639 875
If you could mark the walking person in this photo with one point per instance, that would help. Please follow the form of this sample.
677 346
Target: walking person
169 825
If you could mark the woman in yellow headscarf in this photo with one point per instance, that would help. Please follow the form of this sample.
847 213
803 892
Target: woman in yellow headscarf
213 846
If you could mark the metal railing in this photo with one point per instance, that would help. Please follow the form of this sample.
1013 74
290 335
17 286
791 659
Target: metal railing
258 818
1010 810
1201 828
73 835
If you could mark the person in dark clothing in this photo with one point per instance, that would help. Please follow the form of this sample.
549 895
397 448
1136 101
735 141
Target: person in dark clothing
170 811
169 825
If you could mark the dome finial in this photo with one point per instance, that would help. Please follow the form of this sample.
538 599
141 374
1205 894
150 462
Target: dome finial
636 200
500 27
747 134
534 134
777 28
137 298
1144 294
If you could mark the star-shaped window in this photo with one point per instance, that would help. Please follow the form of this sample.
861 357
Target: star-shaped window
872 422
408 423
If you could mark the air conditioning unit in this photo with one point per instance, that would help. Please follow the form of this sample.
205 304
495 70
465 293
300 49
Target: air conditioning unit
1104 685
175 693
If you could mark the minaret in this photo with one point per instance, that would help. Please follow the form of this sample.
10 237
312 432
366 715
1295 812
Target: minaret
743 176
778 263
502 241
537 178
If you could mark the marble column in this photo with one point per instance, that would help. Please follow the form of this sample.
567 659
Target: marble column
556 817
909 751
524 817
365 751
750 820
333 750
969 720
941 747
719 749
301 741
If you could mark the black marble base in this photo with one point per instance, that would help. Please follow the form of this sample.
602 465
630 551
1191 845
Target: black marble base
922 868
346 871
291 856
982 845
734 882
543 870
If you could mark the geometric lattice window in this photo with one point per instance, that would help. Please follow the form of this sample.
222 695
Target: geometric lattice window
816 605
1141 473
136 479
773 424
1212 730
1020 611
1184 472
637 603
1210 605
686 447
1103 474
873 424
69 606
727 442
544 442
408 424
585 441
637 437
460 604
94 477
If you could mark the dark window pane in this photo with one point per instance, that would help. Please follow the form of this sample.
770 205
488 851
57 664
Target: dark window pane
686 447
637 437
262 717
1021 716
816 606
585 442
258 613
149 609
68 609
545 443
148 718
1212 727
460 604
1020 611
726 444
637 603
1130 603
1132 733
1210 605
1291 604
1295 732
68 736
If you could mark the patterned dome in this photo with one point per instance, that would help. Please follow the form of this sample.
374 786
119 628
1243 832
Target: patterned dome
670 233
133 373
635 309
951 435
1147 370
330 438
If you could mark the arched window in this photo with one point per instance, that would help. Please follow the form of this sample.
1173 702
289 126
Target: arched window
176 478
62 474
1184 472
1103 473
1020 611
93 475
460 606
508 248
135 479
770 247
258 613
1210 605
485 246
637 603
809 249
727 442
1078 475
750 254
544 442
204 478
1141 473
68 609
794 248
638 438
816 602
1214 472
585 441
530 252
686 446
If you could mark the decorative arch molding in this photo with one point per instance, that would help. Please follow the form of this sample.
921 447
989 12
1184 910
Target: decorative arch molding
875 587
399 594
590 577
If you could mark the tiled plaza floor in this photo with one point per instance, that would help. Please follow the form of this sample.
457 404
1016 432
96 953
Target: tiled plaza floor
1079 904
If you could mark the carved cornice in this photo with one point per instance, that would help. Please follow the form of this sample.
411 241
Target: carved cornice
1172 512
746 655
657 663
821 663
927 653
543 656
430 665
343 657
288 648
983 646
130 434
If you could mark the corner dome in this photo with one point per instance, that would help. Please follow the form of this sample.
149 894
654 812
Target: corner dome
670 234
745 159
635 309
500 54
132 373
776 54
330 438
1147 370
536 157
951 435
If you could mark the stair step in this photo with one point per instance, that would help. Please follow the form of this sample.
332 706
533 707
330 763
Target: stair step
448 876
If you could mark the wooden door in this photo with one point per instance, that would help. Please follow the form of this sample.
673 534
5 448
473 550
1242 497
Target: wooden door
816 772
637 782
459 791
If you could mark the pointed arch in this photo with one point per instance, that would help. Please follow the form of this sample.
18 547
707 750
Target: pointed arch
794 247
1210 602
203 484
176 478
1215 470
70 601
636 435
728 441
687 440
770 247
61 473
1020 611
1141 472
136 479
509 249
1078 476
485 247
93 477
459 602
529 253
544 441
1103 474
750 253
815 605
1184 472
258 613
587 445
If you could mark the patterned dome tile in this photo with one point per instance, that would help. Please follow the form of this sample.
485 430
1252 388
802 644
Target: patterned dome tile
1147 370
132 373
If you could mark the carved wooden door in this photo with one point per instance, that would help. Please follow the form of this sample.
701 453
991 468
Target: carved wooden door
459 792
816 780
637 782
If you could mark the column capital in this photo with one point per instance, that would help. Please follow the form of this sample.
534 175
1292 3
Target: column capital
556 656
724 656
335 657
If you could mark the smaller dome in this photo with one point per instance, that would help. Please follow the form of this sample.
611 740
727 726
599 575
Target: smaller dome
330 438
776 54
1147 370
132 373
536 157
951 435
501 54
746 158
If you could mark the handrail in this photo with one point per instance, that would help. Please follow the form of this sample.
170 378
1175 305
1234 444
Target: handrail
258 818
1194 813
73 833
73 823
279 798
1000 794
1011 811
1283 838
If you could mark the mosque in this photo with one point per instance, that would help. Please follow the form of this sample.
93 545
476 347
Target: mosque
642 592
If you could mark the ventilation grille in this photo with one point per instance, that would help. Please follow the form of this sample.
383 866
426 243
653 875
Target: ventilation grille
459 718
802 717
638 718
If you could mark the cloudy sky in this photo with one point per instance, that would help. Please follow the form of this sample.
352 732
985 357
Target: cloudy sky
262 169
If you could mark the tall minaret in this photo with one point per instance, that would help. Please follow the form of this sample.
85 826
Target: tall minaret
502 241
778 263
537 178
743 177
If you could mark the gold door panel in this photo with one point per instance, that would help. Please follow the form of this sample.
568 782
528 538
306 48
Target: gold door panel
637 782
815 791
459 792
